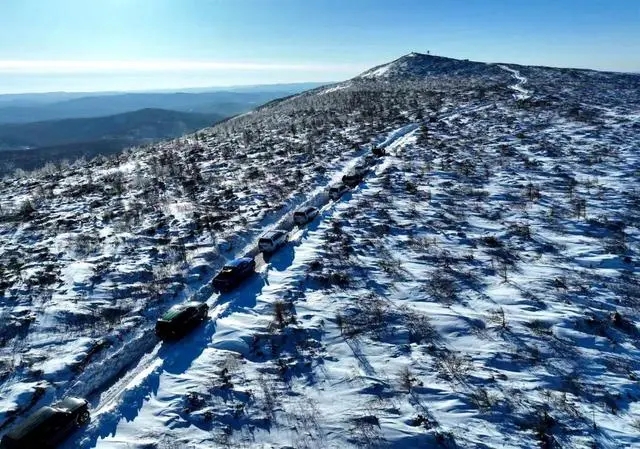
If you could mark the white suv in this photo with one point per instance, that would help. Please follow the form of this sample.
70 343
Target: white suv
304 215
272 240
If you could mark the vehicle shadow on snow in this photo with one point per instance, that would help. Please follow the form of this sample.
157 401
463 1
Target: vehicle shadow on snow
245 296
176 356
282 259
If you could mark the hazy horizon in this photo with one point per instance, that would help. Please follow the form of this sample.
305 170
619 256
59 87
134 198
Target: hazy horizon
178 89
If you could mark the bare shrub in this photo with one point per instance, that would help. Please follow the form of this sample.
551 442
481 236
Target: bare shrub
498 317
406 379
366 431
492 241
26 209
84 245
392 267
332 278
540 327
422 244
442 286
419 325
453 366
411 188
482 399
282 315
370 314
579 206
532 192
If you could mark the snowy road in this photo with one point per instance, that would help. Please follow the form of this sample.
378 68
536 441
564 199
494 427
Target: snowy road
124 395
520 92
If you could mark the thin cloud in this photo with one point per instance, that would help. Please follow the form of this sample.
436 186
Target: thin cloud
73 67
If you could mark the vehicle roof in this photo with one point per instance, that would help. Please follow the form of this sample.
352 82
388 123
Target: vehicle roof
238 261
272 233
305 209
193 304
32 422
70 403
173 312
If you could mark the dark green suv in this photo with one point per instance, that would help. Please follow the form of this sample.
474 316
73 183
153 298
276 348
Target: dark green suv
180 319
48 426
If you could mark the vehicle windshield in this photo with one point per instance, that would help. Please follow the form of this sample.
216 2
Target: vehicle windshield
171 313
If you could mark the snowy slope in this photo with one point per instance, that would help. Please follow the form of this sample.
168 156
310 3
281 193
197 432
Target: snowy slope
479 289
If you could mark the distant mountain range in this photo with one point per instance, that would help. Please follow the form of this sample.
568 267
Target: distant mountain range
223 103
25 108
135 127
30 145
40 128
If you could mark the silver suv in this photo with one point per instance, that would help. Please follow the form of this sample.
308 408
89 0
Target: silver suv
337 191
304 215
272 240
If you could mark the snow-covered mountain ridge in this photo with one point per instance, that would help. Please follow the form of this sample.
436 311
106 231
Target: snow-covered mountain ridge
477 290
420 66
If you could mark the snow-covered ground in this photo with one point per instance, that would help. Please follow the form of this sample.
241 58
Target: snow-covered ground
478 290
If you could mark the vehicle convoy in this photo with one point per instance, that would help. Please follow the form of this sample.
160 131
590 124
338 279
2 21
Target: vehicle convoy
48 426
233 273
272 240
335 192
180 319
305 214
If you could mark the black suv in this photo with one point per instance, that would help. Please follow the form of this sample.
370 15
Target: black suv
233 273
48 426
378 151
180 319
352 179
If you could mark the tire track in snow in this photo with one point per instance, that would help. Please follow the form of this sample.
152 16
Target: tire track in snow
520 92
109 404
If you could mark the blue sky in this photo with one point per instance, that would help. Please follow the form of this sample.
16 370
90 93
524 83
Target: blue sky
88 45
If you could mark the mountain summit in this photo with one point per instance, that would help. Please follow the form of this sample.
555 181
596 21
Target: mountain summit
418 65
